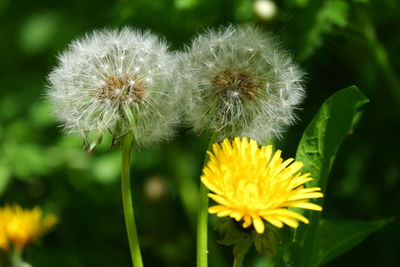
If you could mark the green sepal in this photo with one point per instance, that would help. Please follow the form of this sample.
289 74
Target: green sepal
272 243
232 235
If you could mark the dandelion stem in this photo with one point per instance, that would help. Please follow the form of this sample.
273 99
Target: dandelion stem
379 54
238 260
202 219
16 259
202 227
127 201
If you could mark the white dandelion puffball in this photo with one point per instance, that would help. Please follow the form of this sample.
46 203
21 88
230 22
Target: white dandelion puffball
240 83
117 81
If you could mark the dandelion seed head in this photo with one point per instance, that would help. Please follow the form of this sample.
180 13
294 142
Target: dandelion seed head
240 84
103 82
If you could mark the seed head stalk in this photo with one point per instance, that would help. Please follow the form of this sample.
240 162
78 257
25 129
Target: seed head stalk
127 201
202 216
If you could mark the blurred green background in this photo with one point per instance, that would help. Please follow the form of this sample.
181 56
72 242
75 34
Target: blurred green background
337 42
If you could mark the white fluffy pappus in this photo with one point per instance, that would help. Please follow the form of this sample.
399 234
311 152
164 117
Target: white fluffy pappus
118 81
239 82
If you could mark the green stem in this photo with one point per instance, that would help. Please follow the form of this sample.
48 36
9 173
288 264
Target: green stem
380 54
238 260
127 201
16 259
202 227
202 218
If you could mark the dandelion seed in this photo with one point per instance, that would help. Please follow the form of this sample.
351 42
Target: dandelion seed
102 83
251 183
240 83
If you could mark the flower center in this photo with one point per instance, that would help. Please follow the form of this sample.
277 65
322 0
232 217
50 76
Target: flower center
120 89
236 82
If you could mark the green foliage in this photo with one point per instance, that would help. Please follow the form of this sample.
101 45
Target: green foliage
332 13
36 33
241 240
317 150
322 19
272 243
323 240
40 166
4 177
322 138
336 237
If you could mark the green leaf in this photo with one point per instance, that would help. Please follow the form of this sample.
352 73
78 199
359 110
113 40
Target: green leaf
317 150
336 237
322 138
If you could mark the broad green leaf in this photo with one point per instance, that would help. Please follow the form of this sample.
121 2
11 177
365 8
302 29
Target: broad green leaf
322 138
336 237
317 150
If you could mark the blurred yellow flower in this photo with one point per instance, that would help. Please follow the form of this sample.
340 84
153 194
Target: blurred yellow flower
251 183
19 226
3 237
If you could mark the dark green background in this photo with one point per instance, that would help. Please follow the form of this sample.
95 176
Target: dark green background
337 42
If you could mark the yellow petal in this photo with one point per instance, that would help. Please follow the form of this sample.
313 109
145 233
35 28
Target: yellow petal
246 221
274 221
289 221
307 205
309 190
221 200
216 209
211 186
306 196
258 224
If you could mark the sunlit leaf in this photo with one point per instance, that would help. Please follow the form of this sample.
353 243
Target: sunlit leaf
317 150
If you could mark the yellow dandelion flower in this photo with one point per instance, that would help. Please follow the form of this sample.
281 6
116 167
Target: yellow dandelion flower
20 226
3 237
251 183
